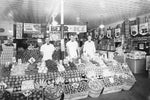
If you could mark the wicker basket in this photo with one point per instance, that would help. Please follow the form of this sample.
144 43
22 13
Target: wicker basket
95 88
76 96
112 89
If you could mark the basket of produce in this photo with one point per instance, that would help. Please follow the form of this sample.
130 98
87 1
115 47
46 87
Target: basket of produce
53 92
95 88
112 84
75 91
54 89
128 82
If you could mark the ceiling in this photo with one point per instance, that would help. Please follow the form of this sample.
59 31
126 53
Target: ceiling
93 12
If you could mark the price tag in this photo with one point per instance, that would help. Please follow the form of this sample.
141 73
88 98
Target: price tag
111 80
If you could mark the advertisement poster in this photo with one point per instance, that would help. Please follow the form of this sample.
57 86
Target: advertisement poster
19 27
143 29
134 30
32 28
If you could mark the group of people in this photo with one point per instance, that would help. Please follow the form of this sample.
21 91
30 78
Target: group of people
72 48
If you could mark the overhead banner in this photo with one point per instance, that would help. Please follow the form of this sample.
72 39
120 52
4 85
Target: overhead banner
32 28
69 28
143 29
19 27
134 30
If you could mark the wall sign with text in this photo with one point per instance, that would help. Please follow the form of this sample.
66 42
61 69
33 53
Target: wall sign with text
69 28
32 28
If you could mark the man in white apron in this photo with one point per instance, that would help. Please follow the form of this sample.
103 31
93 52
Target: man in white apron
72 48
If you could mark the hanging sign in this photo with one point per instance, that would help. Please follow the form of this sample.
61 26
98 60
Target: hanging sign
32 28
134 30
101 36
109 34
69 28
19 30
117 32
77 28
143 28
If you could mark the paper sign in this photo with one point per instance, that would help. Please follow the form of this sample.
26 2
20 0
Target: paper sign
31 60
111 80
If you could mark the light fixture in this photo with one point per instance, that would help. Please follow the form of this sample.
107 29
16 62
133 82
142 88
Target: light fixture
54 22
101 25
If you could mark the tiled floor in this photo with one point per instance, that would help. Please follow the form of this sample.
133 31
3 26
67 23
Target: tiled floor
140 91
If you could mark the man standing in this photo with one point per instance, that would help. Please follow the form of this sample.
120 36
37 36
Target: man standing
47 50
72 47
89 47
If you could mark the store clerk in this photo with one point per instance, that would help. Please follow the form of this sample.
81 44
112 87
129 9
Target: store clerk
89 48
47 50
72 47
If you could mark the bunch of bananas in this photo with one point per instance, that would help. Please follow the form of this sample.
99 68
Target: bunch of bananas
40 85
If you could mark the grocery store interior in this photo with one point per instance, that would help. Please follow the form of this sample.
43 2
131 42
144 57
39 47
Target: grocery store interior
74 49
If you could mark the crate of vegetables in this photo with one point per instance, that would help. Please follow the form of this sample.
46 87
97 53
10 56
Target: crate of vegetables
112 84
95 88
75 91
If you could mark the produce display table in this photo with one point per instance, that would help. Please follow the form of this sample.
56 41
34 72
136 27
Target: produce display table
85 78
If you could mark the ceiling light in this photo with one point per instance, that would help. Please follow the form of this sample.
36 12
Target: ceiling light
54 23
101 26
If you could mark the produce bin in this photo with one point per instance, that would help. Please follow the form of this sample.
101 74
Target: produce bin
137 65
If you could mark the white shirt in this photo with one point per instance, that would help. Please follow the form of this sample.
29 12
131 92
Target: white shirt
72 48
89 48
47 51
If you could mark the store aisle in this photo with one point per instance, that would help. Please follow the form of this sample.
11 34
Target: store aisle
140 91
